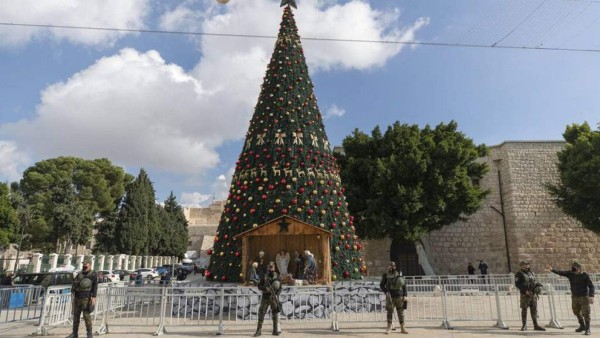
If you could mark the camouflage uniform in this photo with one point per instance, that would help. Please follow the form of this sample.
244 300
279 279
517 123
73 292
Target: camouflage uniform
394 286
270 285
82 293
529 289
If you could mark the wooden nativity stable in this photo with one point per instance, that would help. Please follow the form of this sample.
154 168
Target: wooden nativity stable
289 234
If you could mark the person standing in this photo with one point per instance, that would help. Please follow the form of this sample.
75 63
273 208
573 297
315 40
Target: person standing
582 294
270 285
530 290
83 291
471 269
394 286
483 269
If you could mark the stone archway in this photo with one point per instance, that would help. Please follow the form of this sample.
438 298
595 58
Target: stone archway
404 253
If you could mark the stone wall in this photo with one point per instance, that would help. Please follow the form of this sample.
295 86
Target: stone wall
203 224
536 229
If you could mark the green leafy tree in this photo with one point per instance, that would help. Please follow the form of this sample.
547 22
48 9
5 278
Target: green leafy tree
9 222
96 184
106 236
579 169
138 223
71 220
410 181
286 167
174 229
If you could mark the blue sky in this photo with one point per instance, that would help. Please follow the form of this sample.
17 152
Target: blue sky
179 105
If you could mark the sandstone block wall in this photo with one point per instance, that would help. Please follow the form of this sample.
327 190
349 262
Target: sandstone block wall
536 229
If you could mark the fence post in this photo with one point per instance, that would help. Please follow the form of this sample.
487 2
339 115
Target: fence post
445 322
220 328
41 330
334 321
553 316
163 309
499 323
103 329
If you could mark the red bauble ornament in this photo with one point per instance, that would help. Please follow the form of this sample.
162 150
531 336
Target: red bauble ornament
207 274
347 246
224 278
252 211
346 274
311 211
209 252
284 211
264 197
237 254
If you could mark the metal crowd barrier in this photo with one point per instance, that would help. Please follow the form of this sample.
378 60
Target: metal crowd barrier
20 303
168 307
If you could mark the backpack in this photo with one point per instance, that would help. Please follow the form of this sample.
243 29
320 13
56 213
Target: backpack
395 281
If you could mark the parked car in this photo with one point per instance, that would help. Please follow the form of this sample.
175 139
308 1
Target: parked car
122 273
108 274
187 266
44 279
145 272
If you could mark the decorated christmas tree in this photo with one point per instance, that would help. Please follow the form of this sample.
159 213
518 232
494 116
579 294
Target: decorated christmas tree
286 167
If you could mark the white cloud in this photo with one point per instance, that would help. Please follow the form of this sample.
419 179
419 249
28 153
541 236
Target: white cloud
219 189
139 111
194 199
354 20
132 108
334 111
107 13
12 161
221 186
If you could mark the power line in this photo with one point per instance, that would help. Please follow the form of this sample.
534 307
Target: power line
392 42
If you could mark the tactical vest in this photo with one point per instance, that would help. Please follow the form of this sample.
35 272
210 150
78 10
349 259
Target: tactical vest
530 283
395 281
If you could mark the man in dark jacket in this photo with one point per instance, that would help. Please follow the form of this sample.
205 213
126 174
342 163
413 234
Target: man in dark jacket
394 287
83 291
582 294
530 290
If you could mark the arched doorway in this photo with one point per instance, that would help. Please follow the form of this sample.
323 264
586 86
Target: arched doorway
404 253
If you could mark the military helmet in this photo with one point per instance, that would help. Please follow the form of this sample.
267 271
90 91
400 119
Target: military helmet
538 288
523 263
85 284
276 285
576 265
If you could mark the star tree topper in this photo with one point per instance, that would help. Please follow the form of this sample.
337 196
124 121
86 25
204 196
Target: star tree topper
288 2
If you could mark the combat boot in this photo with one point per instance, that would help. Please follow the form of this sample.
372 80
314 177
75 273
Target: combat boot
258 328
89 333
389 328
536 327
524 320
275 325
587 329
75 333
402 328
581 327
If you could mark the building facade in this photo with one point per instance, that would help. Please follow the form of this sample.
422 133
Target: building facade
202 225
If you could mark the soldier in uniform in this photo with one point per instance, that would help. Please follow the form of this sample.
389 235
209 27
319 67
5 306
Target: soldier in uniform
83 292
270 285
530 290
394 287
582 294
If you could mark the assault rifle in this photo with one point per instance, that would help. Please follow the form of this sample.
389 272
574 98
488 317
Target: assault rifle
274 296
